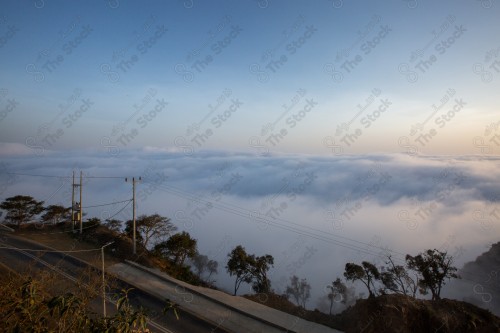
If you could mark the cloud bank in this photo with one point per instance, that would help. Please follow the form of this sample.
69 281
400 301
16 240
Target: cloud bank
337 209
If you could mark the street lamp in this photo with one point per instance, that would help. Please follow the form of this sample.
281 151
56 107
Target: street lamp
103 280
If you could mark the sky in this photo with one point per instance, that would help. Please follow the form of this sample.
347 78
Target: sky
341 128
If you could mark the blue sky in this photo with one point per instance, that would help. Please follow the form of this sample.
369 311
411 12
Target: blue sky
162 47
239 102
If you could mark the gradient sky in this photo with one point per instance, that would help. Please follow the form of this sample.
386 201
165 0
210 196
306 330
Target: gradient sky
117 54
271 91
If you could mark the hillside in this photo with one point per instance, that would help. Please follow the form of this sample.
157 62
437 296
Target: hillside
403 314
387 313
481 278
398 314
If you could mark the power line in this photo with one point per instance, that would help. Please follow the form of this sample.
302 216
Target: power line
43 250
68 177
290 226
109 204
118 212
31 175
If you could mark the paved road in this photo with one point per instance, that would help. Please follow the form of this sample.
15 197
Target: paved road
72 269
233 313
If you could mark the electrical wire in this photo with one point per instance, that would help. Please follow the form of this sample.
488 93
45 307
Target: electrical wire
68 177
109 204
44 250
290 226
118 212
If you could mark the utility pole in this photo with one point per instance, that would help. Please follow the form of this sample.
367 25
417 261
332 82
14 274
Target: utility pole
133 214
81 206
73 203
76 208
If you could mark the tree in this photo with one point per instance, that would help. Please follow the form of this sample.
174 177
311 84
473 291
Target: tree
200 263
434 267
337 288
177 248
212 267
151 227
56 213
259 267
239 264
113 225
396 278
300 290
21 208
367 273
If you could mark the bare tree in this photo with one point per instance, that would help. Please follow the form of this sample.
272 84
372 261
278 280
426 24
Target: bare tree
337 288
396 278
300 290
212 267
154 227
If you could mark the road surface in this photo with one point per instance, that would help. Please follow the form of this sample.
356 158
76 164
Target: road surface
72 269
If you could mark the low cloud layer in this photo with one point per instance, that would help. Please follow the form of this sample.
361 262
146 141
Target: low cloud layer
342 208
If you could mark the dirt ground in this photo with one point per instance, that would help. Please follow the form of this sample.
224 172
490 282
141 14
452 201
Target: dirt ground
63 240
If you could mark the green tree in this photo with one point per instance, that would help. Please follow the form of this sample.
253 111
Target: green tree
154 227
259 267
21 208
434 267
93 222
113 225
367 273
177 248
239 265
336 289
56 213
300 290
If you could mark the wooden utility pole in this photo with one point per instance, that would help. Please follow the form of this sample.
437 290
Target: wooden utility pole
73 203
81 205
133 214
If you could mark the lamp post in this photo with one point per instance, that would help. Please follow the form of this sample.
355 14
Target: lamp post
103 280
